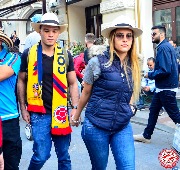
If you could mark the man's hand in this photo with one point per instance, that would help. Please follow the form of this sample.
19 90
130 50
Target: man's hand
146 75
146 88
25 116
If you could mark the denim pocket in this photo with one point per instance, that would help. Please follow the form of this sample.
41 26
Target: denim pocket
88 127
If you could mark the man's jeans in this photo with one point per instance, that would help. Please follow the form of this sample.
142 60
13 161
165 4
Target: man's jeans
167 99
41 131
97 142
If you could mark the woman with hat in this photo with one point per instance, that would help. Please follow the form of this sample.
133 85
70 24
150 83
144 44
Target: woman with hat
9 68
111 83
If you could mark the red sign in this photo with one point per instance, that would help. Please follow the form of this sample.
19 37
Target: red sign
168 158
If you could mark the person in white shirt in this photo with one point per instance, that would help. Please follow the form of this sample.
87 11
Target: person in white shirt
33 37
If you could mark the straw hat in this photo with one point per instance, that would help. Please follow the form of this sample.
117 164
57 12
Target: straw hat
121 22
49 19
4 38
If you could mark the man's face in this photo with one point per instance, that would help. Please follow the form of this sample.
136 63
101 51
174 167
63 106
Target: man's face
150 64
49 34
155 36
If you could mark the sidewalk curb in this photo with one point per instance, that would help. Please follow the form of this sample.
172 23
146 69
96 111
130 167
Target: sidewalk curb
161 127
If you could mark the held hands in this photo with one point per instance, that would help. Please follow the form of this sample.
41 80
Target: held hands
74 120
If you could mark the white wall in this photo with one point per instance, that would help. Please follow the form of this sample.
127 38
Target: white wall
146 25
77 23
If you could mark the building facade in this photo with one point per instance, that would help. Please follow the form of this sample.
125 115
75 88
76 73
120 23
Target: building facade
83 16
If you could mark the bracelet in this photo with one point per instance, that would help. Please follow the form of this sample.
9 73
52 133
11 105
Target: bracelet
74 107
75 121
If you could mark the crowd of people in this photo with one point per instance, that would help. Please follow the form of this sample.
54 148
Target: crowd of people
109 77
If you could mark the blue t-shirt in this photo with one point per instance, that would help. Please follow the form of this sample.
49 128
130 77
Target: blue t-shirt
8 102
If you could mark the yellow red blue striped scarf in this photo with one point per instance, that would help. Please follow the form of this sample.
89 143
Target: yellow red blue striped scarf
60 122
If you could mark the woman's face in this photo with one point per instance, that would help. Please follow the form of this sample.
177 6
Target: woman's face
123 40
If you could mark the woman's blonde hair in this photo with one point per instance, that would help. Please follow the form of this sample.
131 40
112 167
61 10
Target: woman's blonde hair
135 64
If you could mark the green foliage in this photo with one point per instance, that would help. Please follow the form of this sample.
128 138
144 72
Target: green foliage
77 48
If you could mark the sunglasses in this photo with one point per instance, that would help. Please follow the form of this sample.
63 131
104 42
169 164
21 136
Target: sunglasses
153 34
120 36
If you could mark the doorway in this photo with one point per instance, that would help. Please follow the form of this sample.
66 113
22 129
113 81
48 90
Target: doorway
93 20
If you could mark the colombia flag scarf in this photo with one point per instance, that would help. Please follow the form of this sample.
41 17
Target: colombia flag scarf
60 122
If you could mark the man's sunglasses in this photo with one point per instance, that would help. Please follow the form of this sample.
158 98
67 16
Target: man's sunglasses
121 36
153 34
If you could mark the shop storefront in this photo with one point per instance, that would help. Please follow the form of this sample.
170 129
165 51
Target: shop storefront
167 12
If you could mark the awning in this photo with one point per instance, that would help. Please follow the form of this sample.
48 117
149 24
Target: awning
7 10
69 2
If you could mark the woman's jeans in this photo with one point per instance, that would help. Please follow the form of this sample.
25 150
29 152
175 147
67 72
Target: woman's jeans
97 142
41 131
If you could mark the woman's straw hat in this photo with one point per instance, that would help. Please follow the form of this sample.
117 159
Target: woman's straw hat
121 22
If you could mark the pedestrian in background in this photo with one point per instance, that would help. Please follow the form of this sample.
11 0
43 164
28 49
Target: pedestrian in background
48 71
79 66
33 37
147 85
109 81
15 39
177 50
89 41
165 75
9 68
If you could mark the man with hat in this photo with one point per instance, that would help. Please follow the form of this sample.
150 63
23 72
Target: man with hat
33 37
9 68
46 72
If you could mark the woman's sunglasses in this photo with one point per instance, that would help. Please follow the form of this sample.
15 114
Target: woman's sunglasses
120 36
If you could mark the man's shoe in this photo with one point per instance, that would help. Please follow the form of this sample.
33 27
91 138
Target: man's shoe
141 138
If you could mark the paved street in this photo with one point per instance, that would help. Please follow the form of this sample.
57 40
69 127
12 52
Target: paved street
146 154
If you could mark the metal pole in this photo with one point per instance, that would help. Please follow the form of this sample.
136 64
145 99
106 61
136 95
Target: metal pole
44 7
95 26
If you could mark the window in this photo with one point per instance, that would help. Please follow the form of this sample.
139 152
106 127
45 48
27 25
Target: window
29 29
163 17
178 25
93 20
167 12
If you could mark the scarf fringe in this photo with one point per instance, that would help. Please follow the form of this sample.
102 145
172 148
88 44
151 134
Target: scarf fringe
61 131
35 108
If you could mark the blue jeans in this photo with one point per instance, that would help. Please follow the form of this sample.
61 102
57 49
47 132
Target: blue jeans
97 142
12 144
167 99
41 131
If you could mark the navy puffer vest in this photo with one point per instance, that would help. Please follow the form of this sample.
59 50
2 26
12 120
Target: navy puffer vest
108 107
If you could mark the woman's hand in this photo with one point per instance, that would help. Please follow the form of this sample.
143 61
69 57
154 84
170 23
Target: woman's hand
133 108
